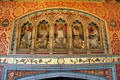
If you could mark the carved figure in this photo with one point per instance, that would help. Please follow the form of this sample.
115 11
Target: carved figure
26 36
94 37
77 42
42 38
78 37
60 38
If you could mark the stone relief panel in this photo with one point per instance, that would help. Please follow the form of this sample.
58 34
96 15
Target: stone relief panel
58 30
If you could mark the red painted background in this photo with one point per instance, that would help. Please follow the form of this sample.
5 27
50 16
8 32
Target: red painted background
1 69
106 11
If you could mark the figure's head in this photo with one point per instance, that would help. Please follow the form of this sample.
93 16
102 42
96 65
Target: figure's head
27 27
76 27
43 26
60 26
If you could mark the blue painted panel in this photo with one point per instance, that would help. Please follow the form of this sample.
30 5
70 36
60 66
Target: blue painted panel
59 70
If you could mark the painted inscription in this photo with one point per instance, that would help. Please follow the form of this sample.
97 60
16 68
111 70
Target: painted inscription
80 60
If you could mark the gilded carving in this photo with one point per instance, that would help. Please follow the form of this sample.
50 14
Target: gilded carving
42 34
58 30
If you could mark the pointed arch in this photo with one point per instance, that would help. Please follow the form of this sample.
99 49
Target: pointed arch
63 74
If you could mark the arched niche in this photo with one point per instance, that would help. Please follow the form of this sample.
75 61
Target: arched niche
42 35
76 25
25 35
78 35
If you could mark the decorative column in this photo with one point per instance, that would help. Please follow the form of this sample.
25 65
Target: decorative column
86 37
69 36
51 39
34 25
15 37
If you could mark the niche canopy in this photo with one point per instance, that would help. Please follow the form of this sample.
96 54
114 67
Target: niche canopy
59 30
